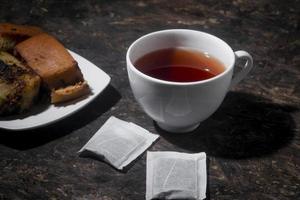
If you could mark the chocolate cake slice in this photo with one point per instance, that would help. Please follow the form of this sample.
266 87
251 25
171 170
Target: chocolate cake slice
19 85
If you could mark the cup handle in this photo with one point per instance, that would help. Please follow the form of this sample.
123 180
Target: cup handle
245 70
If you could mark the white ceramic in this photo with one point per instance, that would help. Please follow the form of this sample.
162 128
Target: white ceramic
42 115
177 106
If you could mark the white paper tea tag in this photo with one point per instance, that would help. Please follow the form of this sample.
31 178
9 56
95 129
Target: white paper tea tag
173 175
118 142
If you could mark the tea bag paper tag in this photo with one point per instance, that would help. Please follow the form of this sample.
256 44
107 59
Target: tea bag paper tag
118 142
173 175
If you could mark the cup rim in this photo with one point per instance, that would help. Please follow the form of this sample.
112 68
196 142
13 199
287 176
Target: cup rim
131 65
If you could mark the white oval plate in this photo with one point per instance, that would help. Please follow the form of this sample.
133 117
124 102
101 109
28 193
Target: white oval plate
41 115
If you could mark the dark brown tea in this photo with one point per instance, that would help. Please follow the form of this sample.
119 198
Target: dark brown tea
179 65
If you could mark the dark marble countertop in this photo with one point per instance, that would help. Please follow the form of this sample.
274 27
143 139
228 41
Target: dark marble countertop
252 141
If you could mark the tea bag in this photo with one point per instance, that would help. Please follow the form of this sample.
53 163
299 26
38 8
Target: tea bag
173 175
118 143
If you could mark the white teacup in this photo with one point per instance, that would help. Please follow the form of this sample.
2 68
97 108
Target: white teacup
181 106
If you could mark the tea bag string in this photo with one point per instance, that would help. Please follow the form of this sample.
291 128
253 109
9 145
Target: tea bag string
170 172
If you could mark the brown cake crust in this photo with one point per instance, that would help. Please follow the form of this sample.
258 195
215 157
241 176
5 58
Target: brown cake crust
50 60
19 31
12 34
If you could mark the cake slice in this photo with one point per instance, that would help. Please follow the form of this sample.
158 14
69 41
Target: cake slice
69 92
11 34
55 65
19 85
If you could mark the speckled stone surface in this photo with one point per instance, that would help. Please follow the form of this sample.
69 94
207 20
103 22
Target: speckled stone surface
252 141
